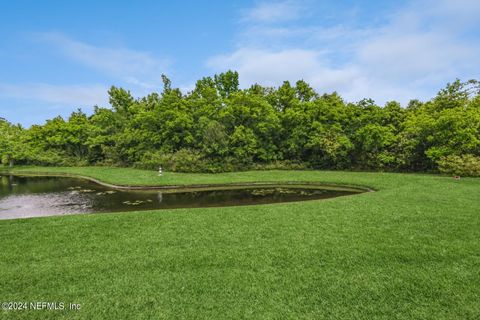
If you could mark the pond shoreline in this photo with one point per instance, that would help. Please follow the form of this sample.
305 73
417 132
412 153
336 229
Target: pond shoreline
197 187
33 195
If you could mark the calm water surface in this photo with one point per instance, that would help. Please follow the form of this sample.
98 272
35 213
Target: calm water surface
22 197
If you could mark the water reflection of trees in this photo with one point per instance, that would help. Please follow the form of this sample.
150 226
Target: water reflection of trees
3 181
160 197
6 183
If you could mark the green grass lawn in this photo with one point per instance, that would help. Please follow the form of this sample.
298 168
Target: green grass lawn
411 250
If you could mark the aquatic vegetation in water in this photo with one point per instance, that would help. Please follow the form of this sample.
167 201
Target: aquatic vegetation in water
134 203
54 195
86 190
262 192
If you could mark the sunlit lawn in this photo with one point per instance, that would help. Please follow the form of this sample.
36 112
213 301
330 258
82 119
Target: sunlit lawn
410 250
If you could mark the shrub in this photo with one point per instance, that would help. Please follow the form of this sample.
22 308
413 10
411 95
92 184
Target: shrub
152 160
184 160
464 165
49 158
281 165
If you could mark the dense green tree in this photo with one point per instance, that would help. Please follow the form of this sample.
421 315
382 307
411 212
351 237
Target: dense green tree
11 146
121 100
286 96
226 83
218 126
253 114
374 144
215 139
243 144
304 92
327 146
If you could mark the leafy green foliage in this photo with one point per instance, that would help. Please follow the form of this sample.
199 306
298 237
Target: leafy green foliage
10 145
464 165
220 127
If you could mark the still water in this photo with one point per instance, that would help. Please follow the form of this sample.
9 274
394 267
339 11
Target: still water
22 197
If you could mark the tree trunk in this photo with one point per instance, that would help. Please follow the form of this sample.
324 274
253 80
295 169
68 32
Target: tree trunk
10 162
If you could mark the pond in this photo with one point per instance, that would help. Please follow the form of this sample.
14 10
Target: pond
29 196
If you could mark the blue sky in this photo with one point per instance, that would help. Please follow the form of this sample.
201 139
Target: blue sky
57 56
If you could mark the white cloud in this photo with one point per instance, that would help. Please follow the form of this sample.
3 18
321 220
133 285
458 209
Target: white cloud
267 67
464 12
271 68
135 67
412 55
271 12
67 95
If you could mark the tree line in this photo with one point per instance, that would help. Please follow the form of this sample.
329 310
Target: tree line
219 127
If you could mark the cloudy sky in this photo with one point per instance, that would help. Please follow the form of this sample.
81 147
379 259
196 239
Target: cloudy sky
57 56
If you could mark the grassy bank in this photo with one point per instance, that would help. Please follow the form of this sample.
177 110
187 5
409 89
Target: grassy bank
137 177
411 250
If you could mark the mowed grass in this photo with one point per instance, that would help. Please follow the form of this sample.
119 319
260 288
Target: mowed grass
411 250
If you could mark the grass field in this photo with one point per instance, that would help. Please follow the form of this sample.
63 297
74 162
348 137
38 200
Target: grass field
411 250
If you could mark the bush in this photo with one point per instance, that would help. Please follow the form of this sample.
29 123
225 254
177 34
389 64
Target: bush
49 158
217 165
184 160
281 165
464 165
188 160
151 160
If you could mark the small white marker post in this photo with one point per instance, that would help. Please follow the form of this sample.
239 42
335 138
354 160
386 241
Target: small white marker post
160 172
